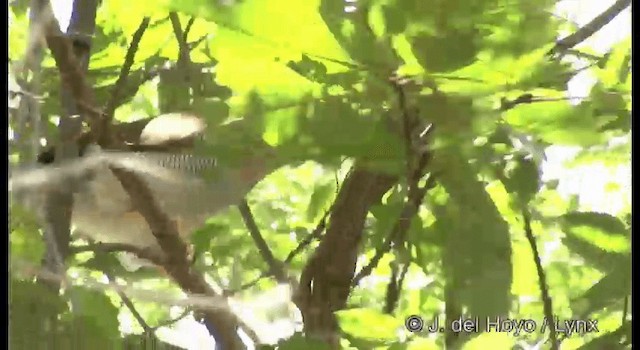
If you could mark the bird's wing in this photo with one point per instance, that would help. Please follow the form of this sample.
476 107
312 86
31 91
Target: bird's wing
170 176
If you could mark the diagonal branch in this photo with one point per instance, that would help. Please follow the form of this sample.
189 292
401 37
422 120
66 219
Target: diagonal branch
221 322
398 231
315 234
416 159
187 28
174 259
124 72
591 28
542 281
170 322
394 287
183 53
276 268
58 203
129 304
326 279
71 71
148 75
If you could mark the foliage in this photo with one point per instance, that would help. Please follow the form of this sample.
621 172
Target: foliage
313 79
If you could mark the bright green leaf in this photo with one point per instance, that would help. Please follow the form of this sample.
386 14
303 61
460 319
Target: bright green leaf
368 324
602 230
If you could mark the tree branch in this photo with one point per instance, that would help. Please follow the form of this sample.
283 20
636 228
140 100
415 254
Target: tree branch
183 53
315 234
187 29
124 72
590 28
174 260
325 281
542 281
245 286
416 162
398 231
149 75
221 322
169 322
129 304
59 203
394 287
71 72
276 268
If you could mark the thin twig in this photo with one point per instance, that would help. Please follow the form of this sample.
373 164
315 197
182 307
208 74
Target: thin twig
399 230
276 268
407 127
394 287
129 304
228 293
187 28
590 28
542 282
315 234
171 321
416 163
151 74
580 54
392 293
183 53
126 68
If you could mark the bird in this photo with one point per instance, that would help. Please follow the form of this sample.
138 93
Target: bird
188 188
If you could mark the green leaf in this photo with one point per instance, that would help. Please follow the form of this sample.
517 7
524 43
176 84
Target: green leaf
557 122
610 109
617 65
31 304
394 19
368 324
610 156
494 340
446 52
25 240
422 344
523 179
618 339
523 269
97 311
601 230
594 255
23 293
321 199
299 341
477 255
309 68
281 125
355 35
102 262
611 289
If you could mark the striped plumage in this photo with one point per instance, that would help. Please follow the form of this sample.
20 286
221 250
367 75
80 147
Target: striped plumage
185 162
